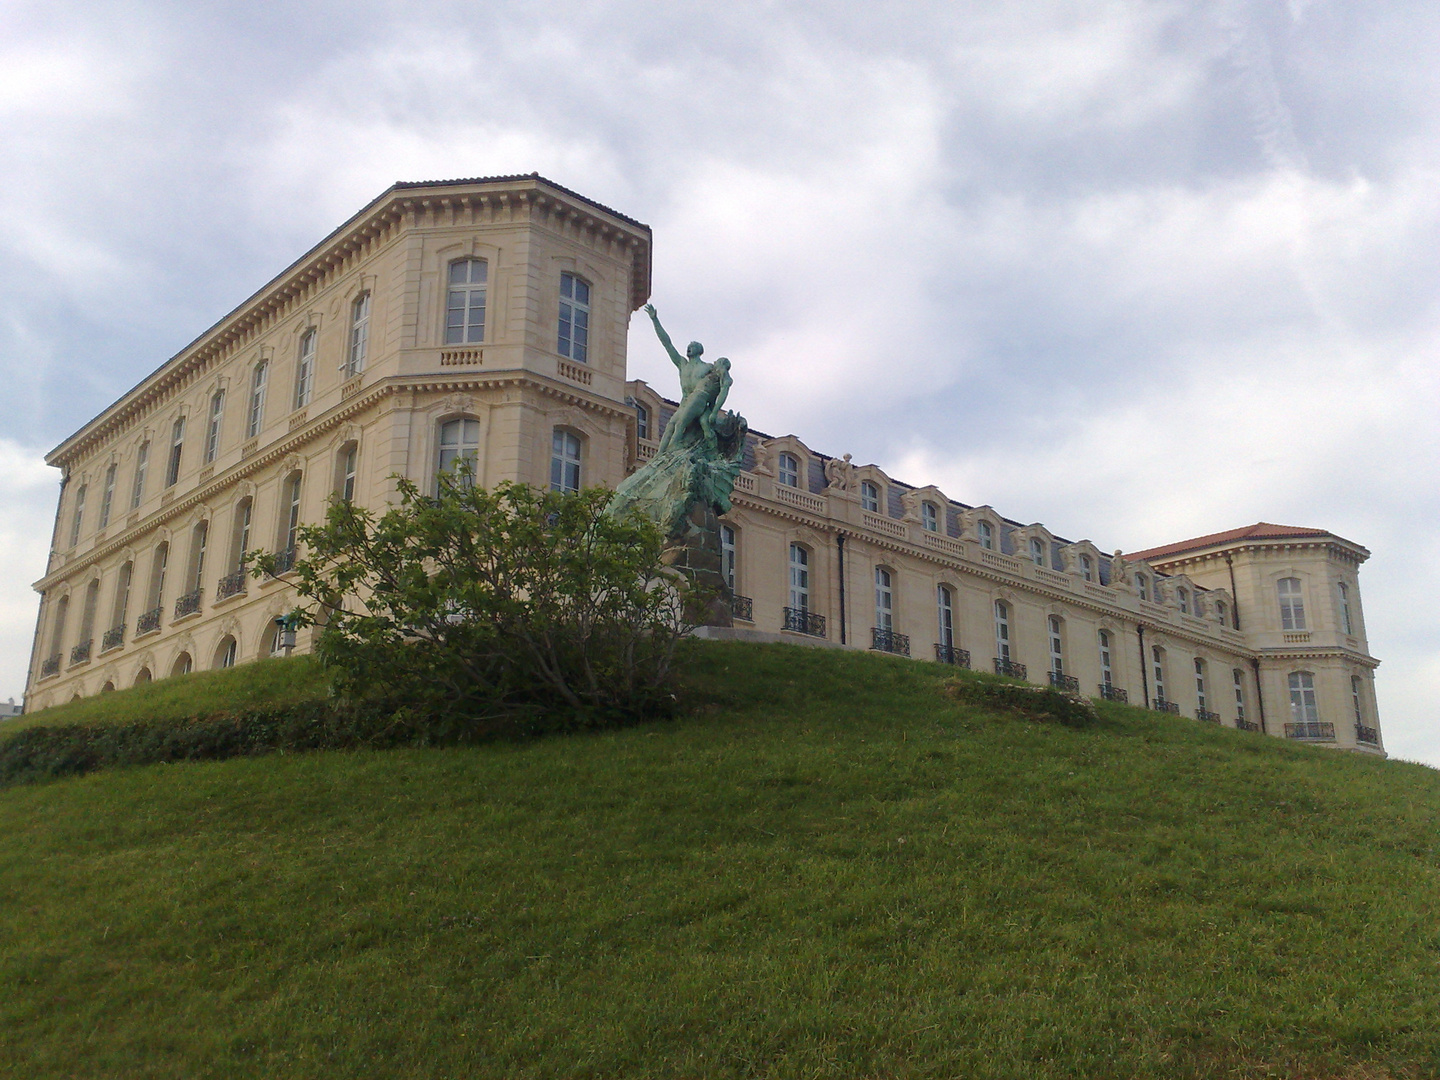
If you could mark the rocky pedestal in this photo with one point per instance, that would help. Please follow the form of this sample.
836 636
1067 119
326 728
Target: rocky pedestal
696 553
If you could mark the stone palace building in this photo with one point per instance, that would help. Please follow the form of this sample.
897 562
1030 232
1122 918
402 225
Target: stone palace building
487 320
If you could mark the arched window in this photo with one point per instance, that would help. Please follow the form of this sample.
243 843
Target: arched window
1200 701
1342 596
177 448
1142 586
1057 646
155 598
799 577
986 532
869 497
460 447
1087 568
109 687
141 677
57 630
255 416
120 609
884 600
212 431
1002 630
87 615
345 463
789 470
182 665
1157 658
359 335
240 537
465 306
79 516
225 652
1106 669
1303 707
727 555
142 463
1037 551
1182 597
945 603
305 368
1292 604
930 517
1238 678
290 517
199 539
564 461
107 497
573 336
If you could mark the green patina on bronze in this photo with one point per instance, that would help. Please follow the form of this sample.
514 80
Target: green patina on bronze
692 475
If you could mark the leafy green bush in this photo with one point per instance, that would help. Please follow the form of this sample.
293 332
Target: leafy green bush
1031 702
475 608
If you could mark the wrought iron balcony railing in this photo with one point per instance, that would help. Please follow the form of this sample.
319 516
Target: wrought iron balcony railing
149 622
742 608
1367 735
1246 725
1068 683
800 621
1313 730
230 585
50 666
80 654
889 641
949 654
1207 716
284 562
1114 693
188 604
1010 667
113 639
1161 705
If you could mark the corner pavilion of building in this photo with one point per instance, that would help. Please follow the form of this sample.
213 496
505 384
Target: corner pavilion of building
487 320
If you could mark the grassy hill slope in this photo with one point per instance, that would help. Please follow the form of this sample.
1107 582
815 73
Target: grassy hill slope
830 870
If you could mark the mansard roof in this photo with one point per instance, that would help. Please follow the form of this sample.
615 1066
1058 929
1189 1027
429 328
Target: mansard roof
1260 531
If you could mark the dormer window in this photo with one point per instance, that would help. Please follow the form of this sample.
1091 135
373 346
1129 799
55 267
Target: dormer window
642 421
930 517
986 532
869 496
1037 551
1087 568
789 470
1221 611
1182 597
1142 586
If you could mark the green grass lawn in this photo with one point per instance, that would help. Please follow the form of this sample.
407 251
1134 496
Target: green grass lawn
829 870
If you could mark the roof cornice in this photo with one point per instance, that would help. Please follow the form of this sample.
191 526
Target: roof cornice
399 207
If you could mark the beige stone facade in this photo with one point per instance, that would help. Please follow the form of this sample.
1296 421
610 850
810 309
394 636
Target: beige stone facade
489 318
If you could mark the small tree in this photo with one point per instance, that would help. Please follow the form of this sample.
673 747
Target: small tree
485 609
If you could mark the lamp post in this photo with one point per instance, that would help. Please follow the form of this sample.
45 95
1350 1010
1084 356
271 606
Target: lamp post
287 624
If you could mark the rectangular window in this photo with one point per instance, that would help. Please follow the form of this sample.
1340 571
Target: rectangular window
1292 604
107 497
1037 551
789 470
799 578
1343 596
946 603
1200 682
1239 678
460 446
292 514
212 433
79 516
359 335
347 473
177 445
1087 569
465 304
1158 656
142 462
573 338
642 422
930 517
240 538
258 378
565 462
305 369
884 600
987 536
1057 647
869 497
1002 630
727 555
1106 673
1303 707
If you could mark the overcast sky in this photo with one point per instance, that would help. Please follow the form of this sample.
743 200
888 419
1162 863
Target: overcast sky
1139 271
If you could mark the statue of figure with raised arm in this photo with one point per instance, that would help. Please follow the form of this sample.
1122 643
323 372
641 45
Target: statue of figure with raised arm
690 479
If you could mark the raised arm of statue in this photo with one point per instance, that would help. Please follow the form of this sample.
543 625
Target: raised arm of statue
675 357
